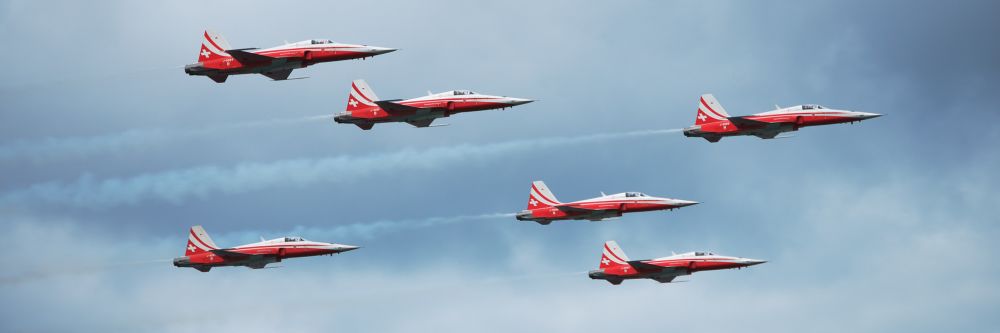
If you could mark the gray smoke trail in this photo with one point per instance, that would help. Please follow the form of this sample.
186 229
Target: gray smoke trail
368 230
52 148
70 270
48 84
179 185
354 231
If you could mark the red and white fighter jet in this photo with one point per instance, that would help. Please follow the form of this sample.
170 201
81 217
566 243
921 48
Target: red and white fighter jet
202 253
364 108
713 123
218 60
543 207
615 266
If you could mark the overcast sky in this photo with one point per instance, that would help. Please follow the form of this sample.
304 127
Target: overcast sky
110 153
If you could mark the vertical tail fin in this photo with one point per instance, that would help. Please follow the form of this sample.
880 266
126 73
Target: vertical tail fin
213 47
709 110
199 241
362 96
540 196
612 256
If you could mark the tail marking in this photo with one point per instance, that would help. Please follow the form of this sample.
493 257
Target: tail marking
613 255
710 110
362 96
541 196
213 47
199 241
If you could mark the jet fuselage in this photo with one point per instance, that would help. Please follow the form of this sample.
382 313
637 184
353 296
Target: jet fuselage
364 109
544 208
217 61
202 253
713 123
616 267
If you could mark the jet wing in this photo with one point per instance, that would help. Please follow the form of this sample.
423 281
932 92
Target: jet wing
391 106
232 255
278 75
747 123
643 267
244 57
421 123
661 274
664 279
577 210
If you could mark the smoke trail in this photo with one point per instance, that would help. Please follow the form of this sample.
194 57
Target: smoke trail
63 80
83 146
179 185
70 270
354 231
368 230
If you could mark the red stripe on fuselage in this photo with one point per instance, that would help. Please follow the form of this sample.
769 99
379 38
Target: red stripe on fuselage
262 52
257 247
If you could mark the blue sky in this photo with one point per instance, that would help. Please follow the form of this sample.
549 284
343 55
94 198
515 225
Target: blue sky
110 152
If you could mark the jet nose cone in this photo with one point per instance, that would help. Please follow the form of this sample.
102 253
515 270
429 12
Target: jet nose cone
344 248
518 101
866 115
683 203
751 262
380 50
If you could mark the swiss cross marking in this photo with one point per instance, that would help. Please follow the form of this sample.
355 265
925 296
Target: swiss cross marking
702 116
533 202
605 261
353 103
204 53
190 248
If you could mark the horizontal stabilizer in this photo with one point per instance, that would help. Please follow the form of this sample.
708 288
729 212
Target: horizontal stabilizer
391 106
747 123
248 57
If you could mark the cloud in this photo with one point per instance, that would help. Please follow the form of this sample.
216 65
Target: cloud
179 185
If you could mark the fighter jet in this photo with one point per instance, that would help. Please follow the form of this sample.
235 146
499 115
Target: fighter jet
218 60
615 266
202 253
713 122
543 207
365 109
